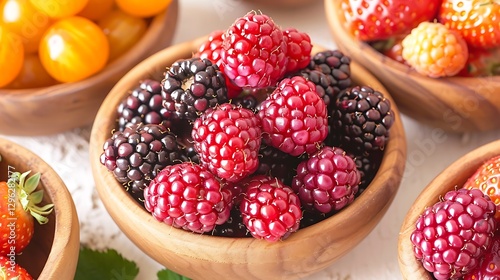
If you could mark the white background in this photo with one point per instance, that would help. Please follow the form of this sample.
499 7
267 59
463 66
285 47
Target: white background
373 258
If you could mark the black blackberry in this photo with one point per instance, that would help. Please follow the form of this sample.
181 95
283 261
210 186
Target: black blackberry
360 120
276 163
136 154
368 166
324 85
233 227
248 101
144 105
191 86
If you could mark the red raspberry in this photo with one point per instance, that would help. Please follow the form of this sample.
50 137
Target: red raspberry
294 117
254 52
489 266
211 49
188 196
328 181
298 51
451 236
270 209
228 140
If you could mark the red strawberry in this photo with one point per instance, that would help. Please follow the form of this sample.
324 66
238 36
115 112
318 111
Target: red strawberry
18 209
487 179
380 20
489 266
482 63
10 270
478 21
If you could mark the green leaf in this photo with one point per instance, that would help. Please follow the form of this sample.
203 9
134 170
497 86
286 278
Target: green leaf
104 265
167 274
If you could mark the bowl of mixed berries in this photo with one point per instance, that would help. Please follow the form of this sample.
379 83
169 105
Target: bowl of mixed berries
39 237
59 59
438 58
452 229
248 153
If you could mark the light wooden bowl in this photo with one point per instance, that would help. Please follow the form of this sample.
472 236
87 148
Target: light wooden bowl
65 106
455 104
209 257
454 175
53 251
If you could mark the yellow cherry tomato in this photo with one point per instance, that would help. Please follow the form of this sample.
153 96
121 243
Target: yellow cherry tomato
97 9
59 8
23 19
32 75
122 30
143 8
11 55
73 49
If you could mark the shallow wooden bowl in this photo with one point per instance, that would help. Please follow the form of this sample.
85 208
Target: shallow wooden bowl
208 257
64 106
53 251
454 175
455 104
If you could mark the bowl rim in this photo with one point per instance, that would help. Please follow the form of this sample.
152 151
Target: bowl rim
448 179
62 258
387 179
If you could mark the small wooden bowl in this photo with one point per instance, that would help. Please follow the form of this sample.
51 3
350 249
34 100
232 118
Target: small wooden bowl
209 257
453 176
64 106
455 104
54 248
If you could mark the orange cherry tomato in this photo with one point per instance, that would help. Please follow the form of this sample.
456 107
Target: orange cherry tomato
73 49
122 30
32 75
59 8
11 55
143 8
97 9
23 19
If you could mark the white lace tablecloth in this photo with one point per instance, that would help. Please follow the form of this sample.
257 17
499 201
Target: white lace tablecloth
374 258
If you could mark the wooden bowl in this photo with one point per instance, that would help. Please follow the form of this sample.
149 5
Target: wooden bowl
455 104
54 248
454 175
60 107
209 257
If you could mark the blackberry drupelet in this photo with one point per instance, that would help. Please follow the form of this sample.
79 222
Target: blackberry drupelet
191 86
247 101
138 153
144 105
360 120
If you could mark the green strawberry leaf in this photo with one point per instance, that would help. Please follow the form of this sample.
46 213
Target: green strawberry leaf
167 274
106 265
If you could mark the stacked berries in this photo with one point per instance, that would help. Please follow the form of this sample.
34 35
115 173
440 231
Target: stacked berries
240 145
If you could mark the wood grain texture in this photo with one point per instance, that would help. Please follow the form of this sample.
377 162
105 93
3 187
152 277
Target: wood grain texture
454 175
65 106
53 251
455 104
208 257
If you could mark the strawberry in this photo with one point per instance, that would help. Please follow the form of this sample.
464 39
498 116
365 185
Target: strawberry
489 265
18 210
380 20
10 270
478 21
487 179
482 63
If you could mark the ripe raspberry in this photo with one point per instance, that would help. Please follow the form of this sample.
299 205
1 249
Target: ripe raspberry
327 181
270 209
489 265
298 51
191 86
188 196
254 52
294 117
361 120
138 153
228 139
210 49
434 50
452 235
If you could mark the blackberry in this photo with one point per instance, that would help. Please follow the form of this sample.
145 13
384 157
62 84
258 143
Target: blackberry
144 105
278 164
248 101
138 153
367 166
360 120
324 85
191 86
233 227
